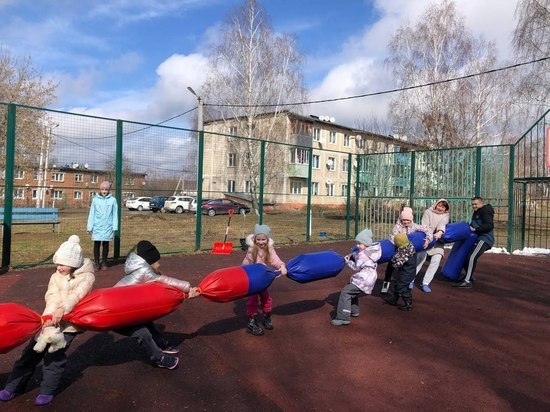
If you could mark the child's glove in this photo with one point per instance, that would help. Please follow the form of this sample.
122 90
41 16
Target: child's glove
194 292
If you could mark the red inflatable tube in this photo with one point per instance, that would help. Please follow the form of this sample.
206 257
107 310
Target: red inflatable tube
112 308
17 325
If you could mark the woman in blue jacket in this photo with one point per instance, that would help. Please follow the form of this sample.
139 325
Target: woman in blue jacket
102 222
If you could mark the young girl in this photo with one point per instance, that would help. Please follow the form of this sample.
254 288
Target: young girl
102 223
72 281
404 260
261 250
143 267
404 225
362 282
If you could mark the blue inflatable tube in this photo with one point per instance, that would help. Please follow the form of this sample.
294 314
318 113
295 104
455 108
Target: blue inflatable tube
456 231
455 261
315 266
416 238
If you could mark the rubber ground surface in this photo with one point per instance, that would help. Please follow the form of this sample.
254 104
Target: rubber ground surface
480 349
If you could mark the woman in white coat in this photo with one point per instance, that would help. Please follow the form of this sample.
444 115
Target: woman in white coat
436 218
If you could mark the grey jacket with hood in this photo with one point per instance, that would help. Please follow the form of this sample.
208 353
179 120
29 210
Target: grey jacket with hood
138 271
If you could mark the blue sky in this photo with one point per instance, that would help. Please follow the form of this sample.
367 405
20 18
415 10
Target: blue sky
133 59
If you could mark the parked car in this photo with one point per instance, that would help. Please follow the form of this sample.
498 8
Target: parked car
138 203
178 204
222 206
157 203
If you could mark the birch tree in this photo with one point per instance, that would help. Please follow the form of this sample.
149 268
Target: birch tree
22 83
436 48
532 41
254 73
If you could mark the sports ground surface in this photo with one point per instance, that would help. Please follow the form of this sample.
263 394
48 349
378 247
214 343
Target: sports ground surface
480 349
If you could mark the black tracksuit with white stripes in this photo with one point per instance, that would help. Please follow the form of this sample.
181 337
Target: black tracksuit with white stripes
482 222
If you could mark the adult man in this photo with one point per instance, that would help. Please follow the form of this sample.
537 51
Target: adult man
482 225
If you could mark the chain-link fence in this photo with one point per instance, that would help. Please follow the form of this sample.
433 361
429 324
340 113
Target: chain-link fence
310 190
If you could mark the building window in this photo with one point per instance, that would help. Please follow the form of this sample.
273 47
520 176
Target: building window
3 174
247 186
19 174
299 156
332 137
331 163
36 175
231 159
78 178
344 190
233 130
315 162
230 186
35 194
78 195
330 189
296 187
345 165
316 134
58 177
125 195
1 192
346 140
360 143
130 181
57 194
94 179
315 188
19 193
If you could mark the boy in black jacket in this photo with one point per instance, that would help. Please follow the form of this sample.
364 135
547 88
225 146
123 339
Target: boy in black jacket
404 260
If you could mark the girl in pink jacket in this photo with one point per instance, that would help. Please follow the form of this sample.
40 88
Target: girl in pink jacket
261 250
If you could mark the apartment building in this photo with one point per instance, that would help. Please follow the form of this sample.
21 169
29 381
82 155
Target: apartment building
69 186
231 165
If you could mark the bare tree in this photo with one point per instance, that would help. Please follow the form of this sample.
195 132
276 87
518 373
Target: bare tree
22 83
254 72
532 41
446 114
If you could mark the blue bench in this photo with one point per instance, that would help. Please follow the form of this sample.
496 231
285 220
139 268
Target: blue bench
34 216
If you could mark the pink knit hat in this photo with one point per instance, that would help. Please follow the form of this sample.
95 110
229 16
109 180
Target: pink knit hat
105 185
406 214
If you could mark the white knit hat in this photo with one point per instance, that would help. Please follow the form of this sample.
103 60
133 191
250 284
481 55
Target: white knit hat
69 253
364 237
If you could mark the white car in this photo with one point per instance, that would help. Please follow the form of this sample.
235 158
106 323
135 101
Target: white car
138 203
178 204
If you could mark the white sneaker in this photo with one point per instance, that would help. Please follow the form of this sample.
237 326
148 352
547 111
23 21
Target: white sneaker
385 287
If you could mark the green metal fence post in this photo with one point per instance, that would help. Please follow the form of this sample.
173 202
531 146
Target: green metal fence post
411 185
8 188
511 205
348 194
118 183
308 206
478 172
262 175
200 166
357 194
523 213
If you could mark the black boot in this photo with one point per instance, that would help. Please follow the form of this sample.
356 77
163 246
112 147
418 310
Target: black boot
253 327
407 305
267 321
392 300
97 265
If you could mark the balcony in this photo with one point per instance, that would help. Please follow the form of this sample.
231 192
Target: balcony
297 170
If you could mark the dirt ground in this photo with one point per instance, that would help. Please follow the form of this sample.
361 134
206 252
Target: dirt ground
476 349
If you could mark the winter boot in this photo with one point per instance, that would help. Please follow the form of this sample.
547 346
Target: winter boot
407 305
97 265
267 321
392 300
253 327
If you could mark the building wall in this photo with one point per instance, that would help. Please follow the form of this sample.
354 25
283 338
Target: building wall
331 144
65 187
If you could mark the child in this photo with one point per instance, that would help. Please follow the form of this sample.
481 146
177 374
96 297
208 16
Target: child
404 225
404 260
102 223
143 267
72 280
261 250
362 282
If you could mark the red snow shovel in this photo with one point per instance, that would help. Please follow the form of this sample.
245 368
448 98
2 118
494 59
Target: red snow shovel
224 248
